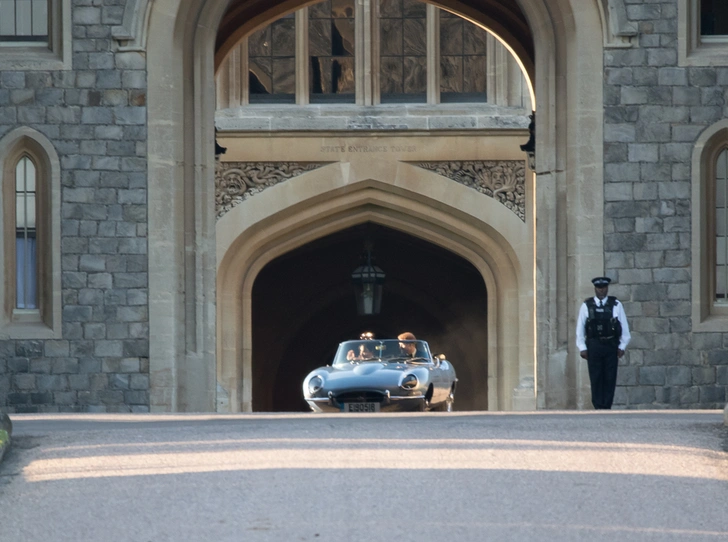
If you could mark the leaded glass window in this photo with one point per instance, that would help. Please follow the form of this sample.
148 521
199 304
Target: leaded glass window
272 62
367 52
403 51
26 275
463 69
331 50
714 17
24 22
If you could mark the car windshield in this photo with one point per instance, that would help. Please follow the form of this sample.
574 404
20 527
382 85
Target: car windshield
388 351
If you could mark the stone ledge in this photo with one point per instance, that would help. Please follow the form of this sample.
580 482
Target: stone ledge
383 117
6 429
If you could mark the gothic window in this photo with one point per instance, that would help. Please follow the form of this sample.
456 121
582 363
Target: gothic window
26 249
710 230
366 52
30 291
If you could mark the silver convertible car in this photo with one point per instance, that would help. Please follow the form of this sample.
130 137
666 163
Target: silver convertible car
382 376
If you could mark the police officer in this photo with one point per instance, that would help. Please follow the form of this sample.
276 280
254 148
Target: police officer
602 335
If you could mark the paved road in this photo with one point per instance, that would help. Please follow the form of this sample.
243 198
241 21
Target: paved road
635 476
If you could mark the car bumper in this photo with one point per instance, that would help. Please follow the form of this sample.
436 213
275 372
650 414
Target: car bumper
387 404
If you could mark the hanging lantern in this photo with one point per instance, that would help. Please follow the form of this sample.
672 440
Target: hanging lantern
368 280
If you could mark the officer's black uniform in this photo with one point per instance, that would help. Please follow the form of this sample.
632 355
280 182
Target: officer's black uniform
602 339
601 327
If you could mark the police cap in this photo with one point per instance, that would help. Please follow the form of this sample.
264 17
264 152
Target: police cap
601 282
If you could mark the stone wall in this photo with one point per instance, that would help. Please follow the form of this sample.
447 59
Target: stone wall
95 116
654 112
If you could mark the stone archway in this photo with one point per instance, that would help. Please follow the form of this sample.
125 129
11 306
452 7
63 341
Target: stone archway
568 196
253 235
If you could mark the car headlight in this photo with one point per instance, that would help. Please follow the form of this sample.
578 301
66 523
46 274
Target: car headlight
409 382
315 384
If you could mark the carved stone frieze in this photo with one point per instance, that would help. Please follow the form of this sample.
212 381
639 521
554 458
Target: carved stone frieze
503 180
237 181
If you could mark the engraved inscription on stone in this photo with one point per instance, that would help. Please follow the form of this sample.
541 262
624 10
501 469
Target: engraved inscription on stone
237 181
503 180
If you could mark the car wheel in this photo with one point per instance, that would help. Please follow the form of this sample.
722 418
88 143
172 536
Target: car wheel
446 406
426 405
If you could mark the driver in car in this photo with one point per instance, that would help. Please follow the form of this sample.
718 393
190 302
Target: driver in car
409 349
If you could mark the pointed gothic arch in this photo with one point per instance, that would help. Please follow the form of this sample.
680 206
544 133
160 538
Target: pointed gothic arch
332 199
43 318
568 194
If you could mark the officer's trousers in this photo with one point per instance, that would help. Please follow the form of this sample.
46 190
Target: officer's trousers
603 362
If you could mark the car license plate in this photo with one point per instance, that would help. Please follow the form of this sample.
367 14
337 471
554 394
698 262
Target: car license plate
360 407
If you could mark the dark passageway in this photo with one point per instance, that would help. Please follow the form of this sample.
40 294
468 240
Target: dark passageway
304 305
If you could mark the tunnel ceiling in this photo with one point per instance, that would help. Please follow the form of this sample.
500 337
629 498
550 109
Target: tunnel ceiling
503 17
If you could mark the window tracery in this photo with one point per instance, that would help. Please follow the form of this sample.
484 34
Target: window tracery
365 53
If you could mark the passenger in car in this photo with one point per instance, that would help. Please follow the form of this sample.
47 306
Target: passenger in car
362 353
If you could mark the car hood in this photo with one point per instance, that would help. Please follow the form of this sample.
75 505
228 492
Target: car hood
369 374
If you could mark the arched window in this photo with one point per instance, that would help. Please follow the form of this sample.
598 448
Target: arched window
370 52
30 295
710 229
26 248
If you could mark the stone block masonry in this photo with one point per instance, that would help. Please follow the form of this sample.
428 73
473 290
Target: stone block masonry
95 116
654 113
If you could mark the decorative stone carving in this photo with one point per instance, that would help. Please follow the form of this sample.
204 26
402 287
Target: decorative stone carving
503 180
237 181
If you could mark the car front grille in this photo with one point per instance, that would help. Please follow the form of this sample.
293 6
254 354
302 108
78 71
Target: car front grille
360 397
